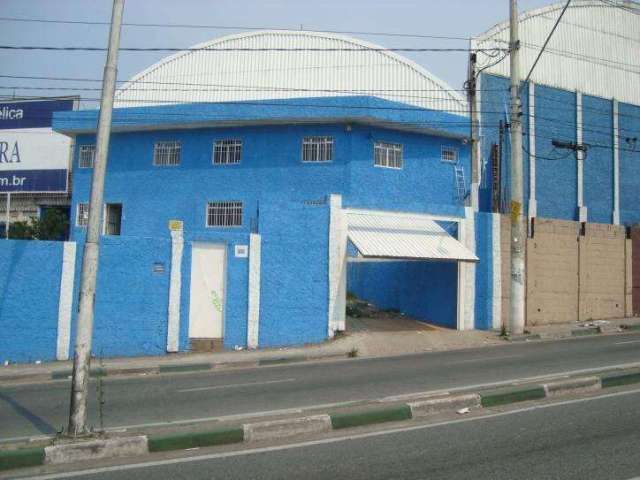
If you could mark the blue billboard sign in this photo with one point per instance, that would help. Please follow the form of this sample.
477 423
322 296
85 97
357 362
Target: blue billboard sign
33 158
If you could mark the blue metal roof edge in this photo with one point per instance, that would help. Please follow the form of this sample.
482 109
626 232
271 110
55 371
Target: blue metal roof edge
365 109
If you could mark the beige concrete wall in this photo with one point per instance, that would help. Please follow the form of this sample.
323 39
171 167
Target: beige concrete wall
553 272
628 278
602 272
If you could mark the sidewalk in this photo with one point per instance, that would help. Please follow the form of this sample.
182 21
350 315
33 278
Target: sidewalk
366 340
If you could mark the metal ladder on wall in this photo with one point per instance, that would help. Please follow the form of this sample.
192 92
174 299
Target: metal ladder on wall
460 185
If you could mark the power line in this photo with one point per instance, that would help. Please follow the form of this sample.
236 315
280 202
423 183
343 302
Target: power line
232 27
243 49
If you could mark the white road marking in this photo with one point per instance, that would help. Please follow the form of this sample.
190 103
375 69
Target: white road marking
324 441
235 385
470 360
624 343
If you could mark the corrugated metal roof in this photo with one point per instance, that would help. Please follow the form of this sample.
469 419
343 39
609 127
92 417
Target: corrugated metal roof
594 50
201 76
403 236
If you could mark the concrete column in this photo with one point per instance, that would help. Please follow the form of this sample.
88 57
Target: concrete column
467 273
337 266
253 314
533 204
496 321
616 163
66 300
175 289
582 208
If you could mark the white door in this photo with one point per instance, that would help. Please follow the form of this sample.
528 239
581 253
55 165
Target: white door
206 308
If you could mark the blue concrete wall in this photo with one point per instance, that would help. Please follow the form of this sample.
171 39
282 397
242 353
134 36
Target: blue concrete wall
29 296
629 126
484 271
425 291
294 294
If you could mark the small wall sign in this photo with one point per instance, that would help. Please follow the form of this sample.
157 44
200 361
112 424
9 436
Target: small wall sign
242 251
175 225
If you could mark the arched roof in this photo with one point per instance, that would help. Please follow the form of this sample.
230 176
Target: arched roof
204 76
594 49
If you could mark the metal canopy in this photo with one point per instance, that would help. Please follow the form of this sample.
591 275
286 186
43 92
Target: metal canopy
403 236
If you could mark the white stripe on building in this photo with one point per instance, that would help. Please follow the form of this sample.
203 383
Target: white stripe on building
66 300
175 288
253 314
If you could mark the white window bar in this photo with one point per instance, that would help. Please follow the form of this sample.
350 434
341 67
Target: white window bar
317 149
449 154
227 152
82 215
388 155
167 153
224 214
86 156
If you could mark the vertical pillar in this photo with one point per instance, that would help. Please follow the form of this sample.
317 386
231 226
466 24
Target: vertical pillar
337 266
616 163
467 273
253 314
66 300
582 209
496 321
533 204
175 289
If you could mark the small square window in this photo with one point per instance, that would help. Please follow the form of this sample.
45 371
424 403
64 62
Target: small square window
227 152
112 219
317 149
224 214
449 154
82 215
167 154
387 155
86 156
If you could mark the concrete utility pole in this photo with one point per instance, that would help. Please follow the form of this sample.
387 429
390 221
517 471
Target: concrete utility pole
84 336
518 237
475 132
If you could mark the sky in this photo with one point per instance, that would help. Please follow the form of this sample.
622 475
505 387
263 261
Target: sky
456 18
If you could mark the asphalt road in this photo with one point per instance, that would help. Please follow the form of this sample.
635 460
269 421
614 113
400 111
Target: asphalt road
32 410
593 439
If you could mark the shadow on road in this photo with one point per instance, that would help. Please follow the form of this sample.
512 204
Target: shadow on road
41 425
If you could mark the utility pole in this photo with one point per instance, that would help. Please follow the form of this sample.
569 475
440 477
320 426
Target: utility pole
518 237
475 131
84 335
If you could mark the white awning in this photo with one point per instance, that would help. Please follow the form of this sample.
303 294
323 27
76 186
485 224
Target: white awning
413 237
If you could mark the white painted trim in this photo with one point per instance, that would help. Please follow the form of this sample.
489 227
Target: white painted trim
532 152
66 300
337 266
467 272
442 218
616 163
496 321
582 209
253 314
175 289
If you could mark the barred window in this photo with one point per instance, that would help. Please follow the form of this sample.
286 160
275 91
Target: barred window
317 149
227 152
82 215
86 156
388 155
449 154
167 153
224 214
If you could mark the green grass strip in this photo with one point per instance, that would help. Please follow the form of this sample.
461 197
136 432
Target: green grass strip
184 368
368 417
617 379
583 332
26 457
511 395
182 441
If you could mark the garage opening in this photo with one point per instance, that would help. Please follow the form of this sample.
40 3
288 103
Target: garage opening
402 272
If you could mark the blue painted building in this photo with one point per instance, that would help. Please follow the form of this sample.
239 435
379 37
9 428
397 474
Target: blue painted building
236 223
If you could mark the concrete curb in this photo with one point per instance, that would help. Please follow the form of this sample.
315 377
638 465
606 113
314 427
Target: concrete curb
583 332
504 396
96 449
620 378
181 441
370 416
24 457
631 328
572 386
436 405
277 429
524 338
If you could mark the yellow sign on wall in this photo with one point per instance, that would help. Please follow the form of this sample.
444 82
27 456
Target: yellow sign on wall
175 225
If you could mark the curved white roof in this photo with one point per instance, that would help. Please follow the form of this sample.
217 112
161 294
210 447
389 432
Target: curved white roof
594 50
204 76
